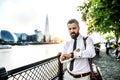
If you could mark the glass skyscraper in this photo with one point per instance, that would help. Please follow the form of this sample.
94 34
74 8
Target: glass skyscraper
8 36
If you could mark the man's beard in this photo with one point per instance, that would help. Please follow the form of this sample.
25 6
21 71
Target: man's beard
74 35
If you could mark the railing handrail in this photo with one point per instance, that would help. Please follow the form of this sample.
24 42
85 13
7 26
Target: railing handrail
5 75
29 66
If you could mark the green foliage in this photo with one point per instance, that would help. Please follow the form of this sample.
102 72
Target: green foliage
109 36
102 16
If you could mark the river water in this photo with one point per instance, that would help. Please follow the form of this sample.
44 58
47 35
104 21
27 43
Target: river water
19 56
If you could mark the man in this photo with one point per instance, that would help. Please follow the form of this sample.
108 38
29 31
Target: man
107 45
79 56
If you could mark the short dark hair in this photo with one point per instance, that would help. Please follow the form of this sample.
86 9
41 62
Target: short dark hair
73 21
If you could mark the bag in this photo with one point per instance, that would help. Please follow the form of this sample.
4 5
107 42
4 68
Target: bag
95 70
96 73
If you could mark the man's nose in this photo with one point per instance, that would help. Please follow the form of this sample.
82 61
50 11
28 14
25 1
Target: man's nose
72 30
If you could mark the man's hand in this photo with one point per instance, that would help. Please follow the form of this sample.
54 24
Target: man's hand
65 56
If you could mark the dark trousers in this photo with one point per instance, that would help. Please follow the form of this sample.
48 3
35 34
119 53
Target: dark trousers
107 51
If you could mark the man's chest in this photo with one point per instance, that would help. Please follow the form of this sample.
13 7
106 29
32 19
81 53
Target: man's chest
79 45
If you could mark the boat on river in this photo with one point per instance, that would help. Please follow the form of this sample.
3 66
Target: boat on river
5 46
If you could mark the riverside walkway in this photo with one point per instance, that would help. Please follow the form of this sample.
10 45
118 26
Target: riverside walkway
109 66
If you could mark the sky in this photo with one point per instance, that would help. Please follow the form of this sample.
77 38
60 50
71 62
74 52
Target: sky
24 16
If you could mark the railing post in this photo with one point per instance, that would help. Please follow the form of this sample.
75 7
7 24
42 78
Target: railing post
60 68
3 74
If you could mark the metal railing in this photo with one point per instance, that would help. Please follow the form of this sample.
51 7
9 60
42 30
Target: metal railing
48 69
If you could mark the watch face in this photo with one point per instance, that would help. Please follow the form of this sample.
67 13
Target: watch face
77 50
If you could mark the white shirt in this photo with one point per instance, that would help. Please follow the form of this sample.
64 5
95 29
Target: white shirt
81 64
108 45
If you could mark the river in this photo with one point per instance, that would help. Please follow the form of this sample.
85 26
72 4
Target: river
19 56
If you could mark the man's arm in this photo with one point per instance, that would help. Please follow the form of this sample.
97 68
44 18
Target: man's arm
66 57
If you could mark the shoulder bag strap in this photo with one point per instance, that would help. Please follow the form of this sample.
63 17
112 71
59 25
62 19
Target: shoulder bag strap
90 59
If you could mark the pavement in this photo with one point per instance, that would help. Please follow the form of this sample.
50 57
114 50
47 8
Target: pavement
109 66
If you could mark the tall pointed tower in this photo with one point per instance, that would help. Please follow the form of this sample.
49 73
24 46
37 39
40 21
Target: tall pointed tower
47 35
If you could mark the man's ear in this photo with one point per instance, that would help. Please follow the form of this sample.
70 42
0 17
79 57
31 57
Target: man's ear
79 28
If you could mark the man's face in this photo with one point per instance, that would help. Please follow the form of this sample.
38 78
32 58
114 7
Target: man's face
73 30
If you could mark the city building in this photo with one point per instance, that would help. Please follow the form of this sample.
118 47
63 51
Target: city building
8 36
23 38
39 36
47 34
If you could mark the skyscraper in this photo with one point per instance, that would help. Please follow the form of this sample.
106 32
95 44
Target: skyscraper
47 35
47 25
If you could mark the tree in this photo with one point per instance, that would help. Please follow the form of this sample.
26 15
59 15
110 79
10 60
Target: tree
102 16
109 36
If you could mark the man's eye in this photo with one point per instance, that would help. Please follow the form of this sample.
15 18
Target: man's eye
74 28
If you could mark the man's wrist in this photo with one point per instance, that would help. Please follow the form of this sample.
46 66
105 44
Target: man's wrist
72 55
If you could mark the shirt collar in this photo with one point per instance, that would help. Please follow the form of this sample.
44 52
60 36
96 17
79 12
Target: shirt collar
80 36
